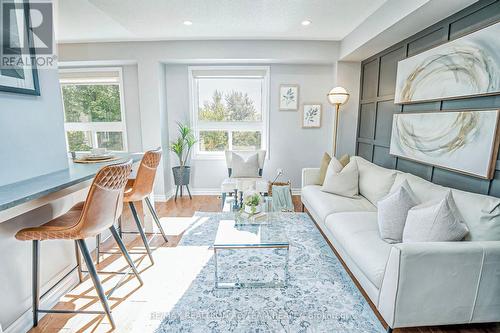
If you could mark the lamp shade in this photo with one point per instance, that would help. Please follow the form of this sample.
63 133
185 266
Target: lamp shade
338 96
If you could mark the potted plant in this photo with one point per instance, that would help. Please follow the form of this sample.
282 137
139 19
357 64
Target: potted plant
252 201
182 148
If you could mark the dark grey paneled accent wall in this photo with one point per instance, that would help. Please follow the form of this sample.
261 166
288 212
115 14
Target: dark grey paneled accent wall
378 82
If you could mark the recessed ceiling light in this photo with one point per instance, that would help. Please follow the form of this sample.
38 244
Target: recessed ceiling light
187 23
306 22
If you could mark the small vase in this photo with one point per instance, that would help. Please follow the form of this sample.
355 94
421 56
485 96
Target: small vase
252 209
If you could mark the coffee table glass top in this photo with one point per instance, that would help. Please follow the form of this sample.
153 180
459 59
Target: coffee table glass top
230 234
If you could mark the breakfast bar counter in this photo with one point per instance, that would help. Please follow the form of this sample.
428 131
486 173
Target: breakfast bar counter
15 195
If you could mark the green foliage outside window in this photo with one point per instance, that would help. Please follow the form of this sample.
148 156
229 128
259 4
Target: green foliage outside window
214 140
110 140
77 141
233 106
246 140
91 103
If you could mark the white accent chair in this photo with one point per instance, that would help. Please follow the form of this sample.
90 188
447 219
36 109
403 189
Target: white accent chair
231 184
413 284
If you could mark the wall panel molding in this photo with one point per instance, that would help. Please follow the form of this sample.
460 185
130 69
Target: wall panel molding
376 94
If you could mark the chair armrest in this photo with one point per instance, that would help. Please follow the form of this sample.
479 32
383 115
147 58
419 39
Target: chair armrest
310 176
439 283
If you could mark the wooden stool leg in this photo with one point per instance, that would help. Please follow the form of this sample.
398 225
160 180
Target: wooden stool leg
97 249
156 218
36 281
95 279
124 251
141 231
78 263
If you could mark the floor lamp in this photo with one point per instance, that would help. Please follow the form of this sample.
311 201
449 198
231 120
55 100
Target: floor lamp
337 96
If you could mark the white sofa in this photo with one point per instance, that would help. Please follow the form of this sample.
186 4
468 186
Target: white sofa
413 284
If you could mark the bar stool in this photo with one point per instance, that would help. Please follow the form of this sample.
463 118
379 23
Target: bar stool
139 189
99 212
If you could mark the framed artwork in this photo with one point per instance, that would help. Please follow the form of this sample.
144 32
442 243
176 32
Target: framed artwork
21 78
289 97
465 67
311 115
463 141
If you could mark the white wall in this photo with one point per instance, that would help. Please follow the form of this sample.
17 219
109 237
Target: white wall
31 131
291 146
132 113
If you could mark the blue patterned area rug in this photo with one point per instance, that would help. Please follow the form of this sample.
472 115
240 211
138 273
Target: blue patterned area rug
320 295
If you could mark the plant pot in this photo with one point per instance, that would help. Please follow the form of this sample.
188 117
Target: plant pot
181 175
248 209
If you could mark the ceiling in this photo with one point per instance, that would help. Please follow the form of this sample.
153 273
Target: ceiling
133 20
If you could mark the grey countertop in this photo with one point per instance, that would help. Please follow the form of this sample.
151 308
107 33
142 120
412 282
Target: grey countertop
33 188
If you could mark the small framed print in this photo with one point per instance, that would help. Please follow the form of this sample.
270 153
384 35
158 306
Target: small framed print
311 115
289 97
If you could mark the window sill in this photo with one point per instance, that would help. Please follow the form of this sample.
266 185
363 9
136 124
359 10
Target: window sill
208 158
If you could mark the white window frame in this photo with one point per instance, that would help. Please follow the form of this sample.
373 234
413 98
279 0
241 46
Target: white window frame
232 72
95 127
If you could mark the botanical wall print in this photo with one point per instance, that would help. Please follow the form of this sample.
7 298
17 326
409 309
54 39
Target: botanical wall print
18 73
463 141
467 66
311 115
289 97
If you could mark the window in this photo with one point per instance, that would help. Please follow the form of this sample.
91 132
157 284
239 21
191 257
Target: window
93 109
229 107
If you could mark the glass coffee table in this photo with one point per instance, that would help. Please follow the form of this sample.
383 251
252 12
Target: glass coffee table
247 251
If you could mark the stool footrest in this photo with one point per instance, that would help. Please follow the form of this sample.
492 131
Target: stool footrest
72 311
130 252
110 272
137 232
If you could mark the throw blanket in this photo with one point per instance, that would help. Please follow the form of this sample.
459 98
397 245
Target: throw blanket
282 199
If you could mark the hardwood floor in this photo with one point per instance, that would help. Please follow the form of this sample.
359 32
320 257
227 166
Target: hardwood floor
138 309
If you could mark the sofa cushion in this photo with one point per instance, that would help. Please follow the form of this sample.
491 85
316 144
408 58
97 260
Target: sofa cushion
435 222
341 182
344 160
357 233
245 166
374 181
325 162
393 211
481 213
423 189
323 203
333 167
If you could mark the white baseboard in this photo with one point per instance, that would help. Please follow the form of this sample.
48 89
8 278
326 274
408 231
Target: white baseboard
206 191
25 322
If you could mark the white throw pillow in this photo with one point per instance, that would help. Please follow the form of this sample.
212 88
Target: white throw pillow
343 183
245 167
334 166
375 182
393 211
435 222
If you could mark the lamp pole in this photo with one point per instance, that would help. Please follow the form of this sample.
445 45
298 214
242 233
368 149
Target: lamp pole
337 96
336 125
